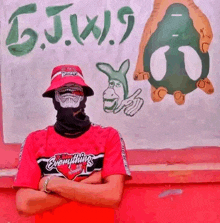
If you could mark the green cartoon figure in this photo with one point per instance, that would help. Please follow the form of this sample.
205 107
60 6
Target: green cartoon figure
178 25
115 97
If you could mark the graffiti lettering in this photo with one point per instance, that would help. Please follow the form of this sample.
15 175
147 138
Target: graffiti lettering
88 28
100 34
57 23
123 11
96 30
13 36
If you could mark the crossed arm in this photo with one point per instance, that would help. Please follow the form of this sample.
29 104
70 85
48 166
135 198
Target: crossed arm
106 194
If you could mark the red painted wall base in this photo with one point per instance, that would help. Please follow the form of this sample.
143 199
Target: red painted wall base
170 203
8 213
162 203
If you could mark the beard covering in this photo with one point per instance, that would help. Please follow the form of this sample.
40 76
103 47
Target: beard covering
68 124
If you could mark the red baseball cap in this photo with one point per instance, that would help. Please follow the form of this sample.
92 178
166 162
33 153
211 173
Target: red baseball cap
65 74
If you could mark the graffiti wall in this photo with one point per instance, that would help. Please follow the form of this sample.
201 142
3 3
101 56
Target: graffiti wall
153 65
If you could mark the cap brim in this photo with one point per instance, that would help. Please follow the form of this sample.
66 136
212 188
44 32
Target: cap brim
67 80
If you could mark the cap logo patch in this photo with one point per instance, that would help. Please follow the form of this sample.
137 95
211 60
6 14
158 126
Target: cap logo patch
72 73
69 71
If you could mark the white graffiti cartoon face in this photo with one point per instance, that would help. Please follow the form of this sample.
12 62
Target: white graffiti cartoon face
69 96
113 96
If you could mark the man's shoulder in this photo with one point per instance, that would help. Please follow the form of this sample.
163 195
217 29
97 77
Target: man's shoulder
40 132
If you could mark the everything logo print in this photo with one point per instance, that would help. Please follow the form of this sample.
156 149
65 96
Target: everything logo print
71 166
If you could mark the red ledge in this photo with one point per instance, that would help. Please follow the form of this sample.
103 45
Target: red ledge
173 177
6 182
140 178
10 152
189 155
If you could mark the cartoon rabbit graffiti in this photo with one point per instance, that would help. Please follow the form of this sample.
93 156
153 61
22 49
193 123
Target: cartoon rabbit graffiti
115 97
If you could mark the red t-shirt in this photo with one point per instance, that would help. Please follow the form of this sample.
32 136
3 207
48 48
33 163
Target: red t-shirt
45 152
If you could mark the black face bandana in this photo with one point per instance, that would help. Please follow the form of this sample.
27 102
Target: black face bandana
71 122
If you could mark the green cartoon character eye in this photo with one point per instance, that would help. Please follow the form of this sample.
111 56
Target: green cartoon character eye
111 84
118 85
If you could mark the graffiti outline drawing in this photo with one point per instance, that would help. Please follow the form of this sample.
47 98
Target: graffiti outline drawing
115 97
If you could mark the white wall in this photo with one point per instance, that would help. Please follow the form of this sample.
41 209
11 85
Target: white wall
156 125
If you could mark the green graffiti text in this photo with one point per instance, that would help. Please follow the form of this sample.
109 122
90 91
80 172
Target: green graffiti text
80 35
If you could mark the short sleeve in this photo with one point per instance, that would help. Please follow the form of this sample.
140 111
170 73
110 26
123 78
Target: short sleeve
29 172
115 158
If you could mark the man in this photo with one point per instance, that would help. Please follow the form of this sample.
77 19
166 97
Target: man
74 170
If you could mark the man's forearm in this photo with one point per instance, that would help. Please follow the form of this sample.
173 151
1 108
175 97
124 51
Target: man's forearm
29 201
104 195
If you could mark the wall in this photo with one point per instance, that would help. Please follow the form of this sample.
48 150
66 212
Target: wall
168 185
171 190
107 48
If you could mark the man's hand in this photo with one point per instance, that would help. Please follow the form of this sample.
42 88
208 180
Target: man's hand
30 201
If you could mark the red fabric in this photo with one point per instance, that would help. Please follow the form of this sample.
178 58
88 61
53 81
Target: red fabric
46 152
76 212
115 160
29 173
